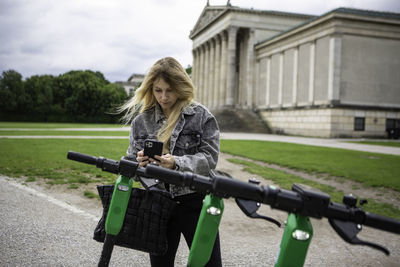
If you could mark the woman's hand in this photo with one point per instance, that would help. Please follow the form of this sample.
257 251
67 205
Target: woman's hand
166 161
142 159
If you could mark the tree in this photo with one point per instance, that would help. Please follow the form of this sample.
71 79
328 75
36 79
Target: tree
189 70
40 89
87 95
11 87
73 96
82 93
113 95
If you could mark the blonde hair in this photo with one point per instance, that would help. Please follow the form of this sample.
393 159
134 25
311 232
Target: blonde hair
175 75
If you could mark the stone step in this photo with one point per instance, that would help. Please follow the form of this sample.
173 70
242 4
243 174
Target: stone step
240 120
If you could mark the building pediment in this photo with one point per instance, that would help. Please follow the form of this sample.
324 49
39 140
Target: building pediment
209 14
212 13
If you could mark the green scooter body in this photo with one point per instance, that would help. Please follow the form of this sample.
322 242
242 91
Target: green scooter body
206 231
295 241
118 204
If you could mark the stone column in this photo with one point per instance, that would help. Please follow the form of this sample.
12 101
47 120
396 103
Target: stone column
223 72
280 82
295 70
217 71
251 100
201 73
231 67
211 74
311 77
257 90
206 74
335 47
194 69
197 72
268 81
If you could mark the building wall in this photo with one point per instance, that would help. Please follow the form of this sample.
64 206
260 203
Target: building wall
321 78
328 122
261 99
274 80
370 71
321 70
303 78
287 81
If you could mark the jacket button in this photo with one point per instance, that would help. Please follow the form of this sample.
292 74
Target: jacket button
187 145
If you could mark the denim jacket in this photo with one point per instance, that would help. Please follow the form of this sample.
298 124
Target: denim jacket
194 140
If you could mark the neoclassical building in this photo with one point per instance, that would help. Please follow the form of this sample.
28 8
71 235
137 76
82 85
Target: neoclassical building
333 75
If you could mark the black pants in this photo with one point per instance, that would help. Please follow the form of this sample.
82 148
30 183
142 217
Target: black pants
184 220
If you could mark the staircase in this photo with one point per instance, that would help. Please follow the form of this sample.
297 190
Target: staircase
240 120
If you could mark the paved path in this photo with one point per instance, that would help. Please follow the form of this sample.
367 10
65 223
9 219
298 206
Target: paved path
324 142
38 230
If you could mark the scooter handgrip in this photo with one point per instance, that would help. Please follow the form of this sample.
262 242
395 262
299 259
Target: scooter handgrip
166 175
382 223
82 158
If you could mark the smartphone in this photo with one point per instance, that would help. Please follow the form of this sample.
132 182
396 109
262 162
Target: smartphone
152 147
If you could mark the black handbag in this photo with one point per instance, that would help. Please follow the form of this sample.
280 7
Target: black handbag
145 223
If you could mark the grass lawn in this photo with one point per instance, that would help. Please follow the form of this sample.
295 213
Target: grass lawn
33 159
285 181
47 158
368 168
50 125
55 132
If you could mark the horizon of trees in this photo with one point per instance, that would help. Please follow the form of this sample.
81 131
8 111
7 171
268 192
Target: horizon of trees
75 96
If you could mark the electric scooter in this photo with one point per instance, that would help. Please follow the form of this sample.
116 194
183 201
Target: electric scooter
345 218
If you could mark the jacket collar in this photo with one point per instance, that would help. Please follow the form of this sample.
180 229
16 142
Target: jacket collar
188 109
159 115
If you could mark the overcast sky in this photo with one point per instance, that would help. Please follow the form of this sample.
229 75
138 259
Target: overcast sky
120 37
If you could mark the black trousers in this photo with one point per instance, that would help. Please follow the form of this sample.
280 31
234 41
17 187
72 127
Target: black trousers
184 220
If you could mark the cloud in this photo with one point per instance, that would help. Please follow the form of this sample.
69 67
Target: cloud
118 37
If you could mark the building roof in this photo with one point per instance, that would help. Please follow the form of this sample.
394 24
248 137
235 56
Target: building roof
136 76
370 13
213 13
341 10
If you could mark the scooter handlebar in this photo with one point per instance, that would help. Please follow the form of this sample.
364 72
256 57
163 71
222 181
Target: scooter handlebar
193 181
277 198
82 158
166 175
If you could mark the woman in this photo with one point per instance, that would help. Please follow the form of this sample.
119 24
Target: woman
163 109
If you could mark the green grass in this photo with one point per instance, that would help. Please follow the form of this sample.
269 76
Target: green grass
371 169
47 158
379 143
73 133
285 181
90 194
41 125
33 159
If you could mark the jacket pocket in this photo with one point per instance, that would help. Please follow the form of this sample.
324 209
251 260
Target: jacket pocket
188 142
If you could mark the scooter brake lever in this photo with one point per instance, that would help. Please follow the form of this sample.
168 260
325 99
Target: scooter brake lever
250 207
348 232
